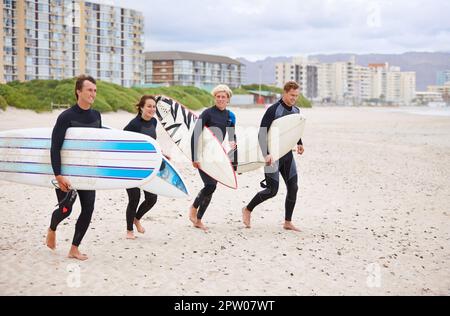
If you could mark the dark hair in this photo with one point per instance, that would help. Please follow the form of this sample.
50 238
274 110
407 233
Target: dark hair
80 81
144 99
291 85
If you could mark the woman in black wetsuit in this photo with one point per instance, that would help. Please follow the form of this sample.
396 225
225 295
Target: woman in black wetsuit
221 121
144 123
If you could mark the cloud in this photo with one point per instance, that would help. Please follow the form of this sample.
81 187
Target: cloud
259 28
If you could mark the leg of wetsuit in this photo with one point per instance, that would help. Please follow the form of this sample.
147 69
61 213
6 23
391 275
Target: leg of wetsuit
134 195
87 200
204 197
289 173
60 213
149 202
272 181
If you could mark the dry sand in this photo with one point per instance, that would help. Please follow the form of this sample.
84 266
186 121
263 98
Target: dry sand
373 206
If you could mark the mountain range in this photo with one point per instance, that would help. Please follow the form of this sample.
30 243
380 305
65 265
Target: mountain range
425 64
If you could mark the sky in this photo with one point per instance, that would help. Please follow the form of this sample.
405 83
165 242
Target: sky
256 29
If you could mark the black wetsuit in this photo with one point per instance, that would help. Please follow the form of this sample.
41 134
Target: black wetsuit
219 122
139 125
285 165
73 117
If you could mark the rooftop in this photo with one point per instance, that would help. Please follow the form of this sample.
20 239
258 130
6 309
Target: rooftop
176 55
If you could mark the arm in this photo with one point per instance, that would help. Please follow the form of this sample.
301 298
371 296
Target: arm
231 129
58 136
265 125
199 126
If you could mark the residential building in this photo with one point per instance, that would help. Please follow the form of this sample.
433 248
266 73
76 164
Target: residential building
192 69
301 70
45 39
443 77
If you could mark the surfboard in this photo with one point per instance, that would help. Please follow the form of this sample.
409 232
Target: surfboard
179 122
283 135
168 182
92 159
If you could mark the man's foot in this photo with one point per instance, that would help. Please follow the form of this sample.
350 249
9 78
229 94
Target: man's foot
74 253
51 239
130 235
289 226
198 224
139 227
193 215
246 216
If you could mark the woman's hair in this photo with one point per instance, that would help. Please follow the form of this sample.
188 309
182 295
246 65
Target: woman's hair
142 102
222 88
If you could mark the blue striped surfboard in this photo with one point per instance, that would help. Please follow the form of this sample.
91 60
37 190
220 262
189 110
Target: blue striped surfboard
92 159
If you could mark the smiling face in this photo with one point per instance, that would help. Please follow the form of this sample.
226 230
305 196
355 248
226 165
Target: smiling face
291 97
221 100
87 94
149 109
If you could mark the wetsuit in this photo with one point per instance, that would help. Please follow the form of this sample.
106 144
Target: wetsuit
73 117
139 125
219 122
285 165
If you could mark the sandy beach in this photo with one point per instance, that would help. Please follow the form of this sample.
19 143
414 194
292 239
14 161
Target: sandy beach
373 207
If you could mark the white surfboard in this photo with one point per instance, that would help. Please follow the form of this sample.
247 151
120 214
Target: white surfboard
92 158
179 122
168 182
283 135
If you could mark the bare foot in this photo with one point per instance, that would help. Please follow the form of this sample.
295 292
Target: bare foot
130 235
51 239
193 215
198 224
246 215
74 253
139 227
289 226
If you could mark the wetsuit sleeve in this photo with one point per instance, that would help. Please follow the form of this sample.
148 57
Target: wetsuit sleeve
199 126
58 136
131 127
232 127
300 142
266 123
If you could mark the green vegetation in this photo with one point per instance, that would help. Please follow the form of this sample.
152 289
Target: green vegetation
192 97
3 103
264 87
38 95
302 101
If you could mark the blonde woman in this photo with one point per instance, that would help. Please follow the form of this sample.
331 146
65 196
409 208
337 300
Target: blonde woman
220 121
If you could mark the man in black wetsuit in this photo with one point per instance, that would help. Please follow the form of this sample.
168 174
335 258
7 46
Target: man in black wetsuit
79 115
284 166
220 121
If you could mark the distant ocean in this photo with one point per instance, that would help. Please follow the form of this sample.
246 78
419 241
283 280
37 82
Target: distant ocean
422 110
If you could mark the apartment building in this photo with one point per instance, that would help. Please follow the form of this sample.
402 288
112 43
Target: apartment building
192 69
304 72
349 83
443 77
59 39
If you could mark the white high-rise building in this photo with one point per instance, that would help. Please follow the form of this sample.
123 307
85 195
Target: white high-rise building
43 39
348 83
304 72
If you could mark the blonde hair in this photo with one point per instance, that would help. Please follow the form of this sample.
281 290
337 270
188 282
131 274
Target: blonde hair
222 88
